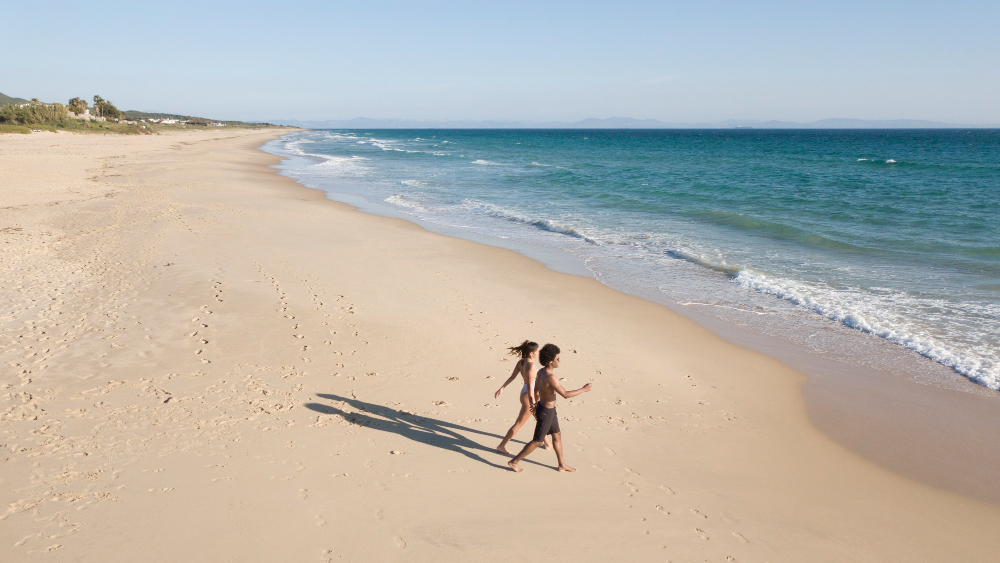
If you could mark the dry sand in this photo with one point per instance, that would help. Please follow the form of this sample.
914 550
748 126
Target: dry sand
204 361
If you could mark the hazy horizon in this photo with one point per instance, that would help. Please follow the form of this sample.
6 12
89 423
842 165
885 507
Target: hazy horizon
622 123
557 62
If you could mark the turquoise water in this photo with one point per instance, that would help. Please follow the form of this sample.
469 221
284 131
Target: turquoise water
893 235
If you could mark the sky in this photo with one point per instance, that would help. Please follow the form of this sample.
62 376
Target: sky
691 62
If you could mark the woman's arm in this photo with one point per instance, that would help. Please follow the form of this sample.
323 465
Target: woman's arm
513 374
532 376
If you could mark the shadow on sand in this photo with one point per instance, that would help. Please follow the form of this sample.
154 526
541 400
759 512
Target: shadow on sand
419 428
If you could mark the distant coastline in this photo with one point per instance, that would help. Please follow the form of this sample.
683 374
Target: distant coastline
624 123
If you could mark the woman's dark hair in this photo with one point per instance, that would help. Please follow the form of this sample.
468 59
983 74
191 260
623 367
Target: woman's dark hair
548 353
524 350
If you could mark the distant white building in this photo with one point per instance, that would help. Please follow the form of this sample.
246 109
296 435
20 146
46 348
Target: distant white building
85 116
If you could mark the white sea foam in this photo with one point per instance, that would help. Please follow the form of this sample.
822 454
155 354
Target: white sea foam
486 163
385 145
400 200
846 311
501 212
414 183
295 147
389 145
340 137
339 165
336 165
890 161
717 265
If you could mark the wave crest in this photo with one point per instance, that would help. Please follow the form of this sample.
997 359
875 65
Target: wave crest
542 223
980 370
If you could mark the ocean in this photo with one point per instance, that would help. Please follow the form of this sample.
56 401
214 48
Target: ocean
880 248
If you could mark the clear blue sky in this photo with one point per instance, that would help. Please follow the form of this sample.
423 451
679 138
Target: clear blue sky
674 61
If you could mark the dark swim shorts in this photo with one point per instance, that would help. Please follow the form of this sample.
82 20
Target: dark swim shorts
547 422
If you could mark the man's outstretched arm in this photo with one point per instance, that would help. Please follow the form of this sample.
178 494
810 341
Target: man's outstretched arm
568 394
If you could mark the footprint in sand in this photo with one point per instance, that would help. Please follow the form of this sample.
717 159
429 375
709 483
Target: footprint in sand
741 537
399 542
701 533
696 513
661 509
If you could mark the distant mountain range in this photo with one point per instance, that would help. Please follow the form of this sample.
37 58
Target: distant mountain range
622 123
608 123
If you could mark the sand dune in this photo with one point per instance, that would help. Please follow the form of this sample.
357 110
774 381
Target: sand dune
206 362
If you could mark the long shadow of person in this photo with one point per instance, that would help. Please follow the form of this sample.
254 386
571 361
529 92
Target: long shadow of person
419 428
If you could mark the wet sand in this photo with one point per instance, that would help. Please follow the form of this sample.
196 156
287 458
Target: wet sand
940 436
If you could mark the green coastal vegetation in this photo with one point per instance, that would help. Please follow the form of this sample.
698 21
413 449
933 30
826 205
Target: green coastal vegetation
18 115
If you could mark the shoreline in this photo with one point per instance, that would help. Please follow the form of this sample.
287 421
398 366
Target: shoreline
213 354
895 431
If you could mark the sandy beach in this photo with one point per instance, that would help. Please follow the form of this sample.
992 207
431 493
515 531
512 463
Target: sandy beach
205 361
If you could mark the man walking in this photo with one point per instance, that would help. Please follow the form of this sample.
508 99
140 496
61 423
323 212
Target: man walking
546 387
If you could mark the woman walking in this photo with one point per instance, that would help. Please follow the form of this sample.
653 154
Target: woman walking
525 367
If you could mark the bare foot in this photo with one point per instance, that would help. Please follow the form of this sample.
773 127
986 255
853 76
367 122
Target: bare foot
502 449
566 468
513 465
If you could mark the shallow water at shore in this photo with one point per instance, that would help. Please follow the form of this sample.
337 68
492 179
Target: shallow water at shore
861 246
